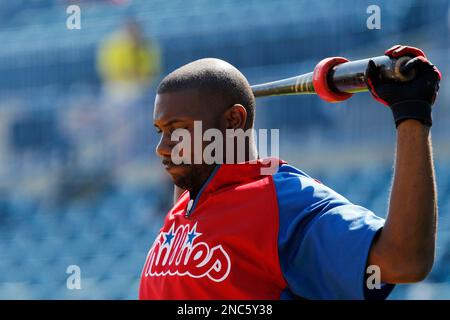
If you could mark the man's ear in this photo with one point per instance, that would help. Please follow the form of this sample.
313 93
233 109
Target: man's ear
235 117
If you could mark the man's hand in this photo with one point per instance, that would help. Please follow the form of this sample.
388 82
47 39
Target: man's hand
411 99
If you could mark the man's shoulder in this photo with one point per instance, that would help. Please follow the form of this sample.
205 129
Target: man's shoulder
287 170
293 185
287 173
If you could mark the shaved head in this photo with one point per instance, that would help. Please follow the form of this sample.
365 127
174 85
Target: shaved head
218 80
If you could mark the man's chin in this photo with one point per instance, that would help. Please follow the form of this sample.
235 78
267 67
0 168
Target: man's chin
188 176
178 173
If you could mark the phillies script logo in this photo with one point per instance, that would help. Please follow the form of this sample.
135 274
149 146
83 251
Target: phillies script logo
177 252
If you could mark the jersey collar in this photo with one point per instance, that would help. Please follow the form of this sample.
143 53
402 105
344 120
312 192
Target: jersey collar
228 175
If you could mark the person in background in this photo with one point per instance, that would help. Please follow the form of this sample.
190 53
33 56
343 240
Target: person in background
127 62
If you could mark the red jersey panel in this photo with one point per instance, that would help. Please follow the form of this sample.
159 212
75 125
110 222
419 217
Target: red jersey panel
224 246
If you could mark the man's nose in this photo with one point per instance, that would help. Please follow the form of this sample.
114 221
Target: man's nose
164 147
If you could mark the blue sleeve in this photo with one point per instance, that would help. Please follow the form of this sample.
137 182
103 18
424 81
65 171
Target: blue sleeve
324 240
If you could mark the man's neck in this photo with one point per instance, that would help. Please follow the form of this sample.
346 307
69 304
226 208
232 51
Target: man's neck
251 154
196 189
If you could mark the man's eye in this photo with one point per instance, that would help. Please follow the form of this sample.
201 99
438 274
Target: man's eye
158 131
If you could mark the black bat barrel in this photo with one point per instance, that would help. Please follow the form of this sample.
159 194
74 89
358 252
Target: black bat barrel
349 77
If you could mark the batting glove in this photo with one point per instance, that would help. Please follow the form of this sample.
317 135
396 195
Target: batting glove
411 99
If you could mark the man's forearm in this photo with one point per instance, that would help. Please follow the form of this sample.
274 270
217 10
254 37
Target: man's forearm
405 248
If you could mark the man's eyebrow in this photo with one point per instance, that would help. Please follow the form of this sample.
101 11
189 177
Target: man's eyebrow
170 122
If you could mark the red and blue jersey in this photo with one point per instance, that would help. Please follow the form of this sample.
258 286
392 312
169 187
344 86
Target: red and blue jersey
249 235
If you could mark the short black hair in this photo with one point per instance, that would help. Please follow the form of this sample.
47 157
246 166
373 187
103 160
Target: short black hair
217 77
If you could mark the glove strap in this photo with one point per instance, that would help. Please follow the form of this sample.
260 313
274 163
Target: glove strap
412 109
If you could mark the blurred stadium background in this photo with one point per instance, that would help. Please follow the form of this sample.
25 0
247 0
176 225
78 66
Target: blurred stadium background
79 181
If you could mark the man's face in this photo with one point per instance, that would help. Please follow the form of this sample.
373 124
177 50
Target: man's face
179 110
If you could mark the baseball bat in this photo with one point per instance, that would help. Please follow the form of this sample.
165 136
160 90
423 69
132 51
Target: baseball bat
335 79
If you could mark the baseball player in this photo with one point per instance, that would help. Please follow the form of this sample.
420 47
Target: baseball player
235 233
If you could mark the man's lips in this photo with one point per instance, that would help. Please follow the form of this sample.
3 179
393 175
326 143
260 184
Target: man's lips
170 165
